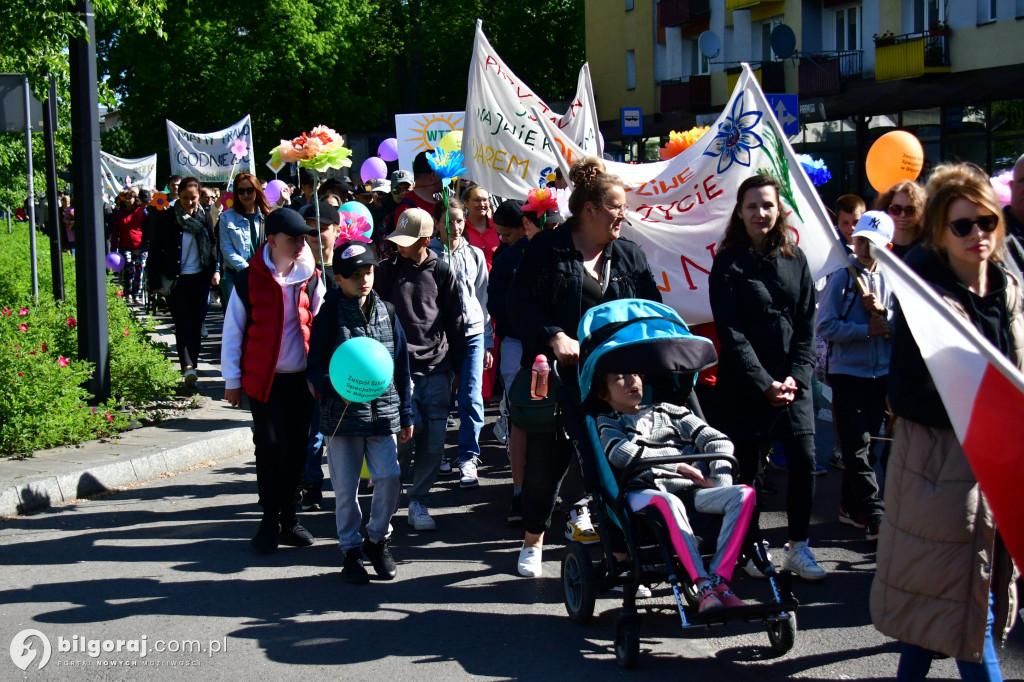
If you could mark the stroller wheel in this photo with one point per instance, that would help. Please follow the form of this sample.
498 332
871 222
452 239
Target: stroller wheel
627 640
782 633
578 584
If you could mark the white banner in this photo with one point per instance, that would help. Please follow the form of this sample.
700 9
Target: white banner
506 150
679 208
118 173
208 156
422 132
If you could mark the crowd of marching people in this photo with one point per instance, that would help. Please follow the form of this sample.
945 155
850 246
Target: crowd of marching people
469 295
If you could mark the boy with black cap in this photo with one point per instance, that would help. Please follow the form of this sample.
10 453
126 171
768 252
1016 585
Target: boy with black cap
267 326
323 247
426 298
358 430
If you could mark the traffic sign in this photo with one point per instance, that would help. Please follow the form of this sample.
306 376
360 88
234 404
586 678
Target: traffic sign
632 121
276 167
787 110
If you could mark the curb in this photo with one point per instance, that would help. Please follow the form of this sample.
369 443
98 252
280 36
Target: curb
44 491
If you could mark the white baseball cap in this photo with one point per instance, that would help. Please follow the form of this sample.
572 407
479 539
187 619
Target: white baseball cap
876 226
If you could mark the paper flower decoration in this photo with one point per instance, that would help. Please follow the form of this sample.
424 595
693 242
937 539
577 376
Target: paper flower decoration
239 148
680 142
159 201
562 196
353 226
227 200
540 201
816 169
320 149
446 164
1001 184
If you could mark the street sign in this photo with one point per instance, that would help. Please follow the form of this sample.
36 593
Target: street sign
787 111
12 105
632 121
276 167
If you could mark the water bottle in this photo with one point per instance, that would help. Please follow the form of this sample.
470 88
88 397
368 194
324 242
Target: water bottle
539 378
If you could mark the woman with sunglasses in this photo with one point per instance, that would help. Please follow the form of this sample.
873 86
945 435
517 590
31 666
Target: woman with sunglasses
904 202
241 228
945 582
564 273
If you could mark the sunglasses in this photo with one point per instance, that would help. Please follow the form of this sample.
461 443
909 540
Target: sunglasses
897 210
245 190
965 226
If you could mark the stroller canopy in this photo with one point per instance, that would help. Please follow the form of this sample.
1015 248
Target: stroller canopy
636 336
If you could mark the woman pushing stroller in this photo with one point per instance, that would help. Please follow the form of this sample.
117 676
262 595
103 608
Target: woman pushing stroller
630 431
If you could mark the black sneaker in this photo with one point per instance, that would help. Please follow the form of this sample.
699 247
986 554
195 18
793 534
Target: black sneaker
515 509
379 554
312 498
266 538
296 536
871 530
352 570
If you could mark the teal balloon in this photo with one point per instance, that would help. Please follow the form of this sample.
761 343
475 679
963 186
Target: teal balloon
361 369
360 208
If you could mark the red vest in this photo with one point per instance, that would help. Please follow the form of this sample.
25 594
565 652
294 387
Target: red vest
261 344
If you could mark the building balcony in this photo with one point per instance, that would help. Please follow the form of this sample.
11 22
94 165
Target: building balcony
741 4
824 73
771 76
694 95
682 12
911 55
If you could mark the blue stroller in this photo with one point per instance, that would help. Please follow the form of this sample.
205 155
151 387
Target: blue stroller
641 337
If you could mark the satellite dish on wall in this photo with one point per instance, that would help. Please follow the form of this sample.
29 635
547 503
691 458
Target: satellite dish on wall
709 44
783 41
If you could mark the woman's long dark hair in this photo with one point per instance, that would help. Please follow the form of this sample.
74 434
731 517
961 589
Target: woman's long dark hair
736 234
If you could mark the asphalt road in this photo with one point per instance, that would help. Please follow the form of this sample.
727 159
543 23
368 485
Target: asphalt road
170 560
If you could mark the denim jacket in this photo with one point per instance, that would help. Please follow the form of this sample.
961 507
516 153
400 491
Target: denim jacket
236 240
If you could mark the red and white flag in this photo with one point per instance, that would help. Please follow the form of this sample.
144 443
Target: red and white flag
982 391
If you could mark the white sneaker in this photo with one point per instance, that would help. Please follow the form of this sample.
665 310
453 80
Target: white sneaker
580 528
642 591
800 560
445 469
751 568
500 430
203 332
530 563
469 476
419 517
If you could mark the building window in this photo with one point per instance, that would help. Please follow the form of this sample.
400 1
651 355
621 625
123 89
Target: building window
1020 8
928 12
986 11
629 5
699 64
847 24
630 69
767 54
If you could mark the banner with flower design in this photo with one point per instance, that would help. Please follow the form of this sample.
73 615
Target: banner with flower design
505 148
209 156
118 173
679 209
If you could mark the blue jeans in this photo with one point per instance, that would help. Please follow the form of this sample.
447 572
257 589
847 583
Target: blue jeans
471 401
430 395
345 462
916 660
314 474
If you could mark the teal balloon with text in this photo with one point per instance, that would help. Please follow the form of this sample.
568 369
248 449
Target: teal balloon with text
361 369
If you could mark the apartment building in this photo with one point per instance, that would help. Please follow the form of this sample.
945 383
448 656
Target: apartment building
950 71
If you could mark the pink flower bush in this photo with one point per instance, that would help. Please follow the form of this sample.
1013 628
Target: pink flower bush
23 312
63 361
72 322
22 327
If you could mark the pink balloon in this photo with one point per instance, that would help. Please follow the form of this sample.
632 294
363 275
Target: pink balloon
388 149
373 168
273 190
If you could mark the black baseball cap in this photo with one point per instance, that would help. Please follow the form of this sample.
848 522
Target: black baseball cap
342 184
509 213
352 255
289 221
328 213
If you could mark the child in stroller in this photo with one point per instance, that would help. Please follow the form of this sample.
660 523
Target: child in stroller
630 431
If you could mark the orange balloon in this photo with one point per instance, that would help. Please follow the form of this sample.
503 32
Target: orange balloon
893 158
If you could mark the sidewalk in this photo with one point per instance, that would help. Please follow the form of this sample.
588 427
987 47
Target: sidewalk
212 432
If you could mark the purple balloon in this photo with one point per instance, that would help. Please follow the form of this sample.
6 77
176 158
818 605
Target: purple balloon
273 190
115 261
373 168
388 149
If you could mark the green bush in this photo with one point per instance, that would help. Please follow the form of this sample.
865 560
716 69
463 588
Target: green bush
43 401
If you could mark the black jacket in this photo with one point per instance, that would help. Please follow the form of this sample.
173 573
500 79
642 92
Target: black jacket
428 304
165 247
499 285
764 316
546 292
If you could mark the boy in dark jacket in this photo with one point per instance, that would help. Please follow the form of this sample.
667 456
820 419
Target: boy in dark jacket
355 430
426 298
